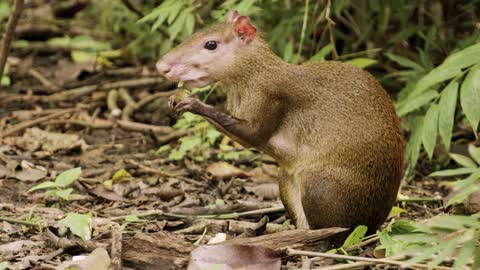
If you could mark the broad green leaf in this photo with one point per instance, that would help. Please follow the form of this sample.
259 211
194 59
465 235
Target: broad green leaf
288 51
410 105
320 55
430 128
474 152
466 252
445 252
463 160
470 97
414 144
454 172
435 76
67 177
80 225
464 58
5 81
469 186
446 117
404 62
362 62
355 237
403 226
189 24
173 11
43 185
178 25
64 194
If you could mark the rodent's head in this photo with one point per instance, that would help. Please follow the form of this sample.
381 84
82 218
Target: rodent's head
204 57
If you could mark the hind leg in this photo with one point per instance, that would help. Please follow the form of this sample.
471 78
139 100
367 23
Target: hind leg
291 198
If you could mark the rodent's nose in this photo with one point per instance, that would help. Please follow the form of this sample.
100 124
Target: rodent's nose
163 67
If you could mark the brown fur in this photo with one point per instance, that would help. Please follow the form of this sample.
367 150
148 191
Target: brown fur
331 126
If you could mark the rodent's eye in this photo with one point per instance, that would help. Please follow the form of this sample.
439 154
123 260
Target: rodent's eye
211 45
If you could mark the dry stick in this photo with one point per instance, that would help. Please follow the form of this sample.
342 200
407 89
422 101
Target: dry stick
132 107
116 252
357 264
292 252
30 123
152 170
330 24
7 38
44 81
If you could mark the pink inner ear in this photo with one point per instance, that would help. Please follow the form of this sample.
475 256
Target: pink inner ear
245 29
232 16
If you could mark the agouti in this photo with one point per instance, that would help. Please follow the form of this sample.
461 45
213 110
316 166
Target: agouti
331 126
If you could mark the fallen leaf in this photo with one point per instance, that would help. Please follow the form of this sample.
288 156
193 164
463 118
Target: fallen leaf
29 172
164 193
269 191
230 257
97 260
19 245
36 139
223 170
107 194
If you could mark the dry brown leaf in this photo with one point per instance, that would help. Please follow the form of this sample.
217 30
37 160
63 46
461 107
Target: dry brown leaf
107 194
36 139
230 257
269 191
224 170
29 172
97 260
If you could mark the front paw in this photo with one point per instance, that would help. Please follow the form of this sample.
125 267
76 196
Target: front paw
189 104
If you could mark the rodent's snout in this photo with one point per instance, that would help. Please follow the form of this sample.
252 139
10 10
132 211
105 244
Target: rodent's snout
163 67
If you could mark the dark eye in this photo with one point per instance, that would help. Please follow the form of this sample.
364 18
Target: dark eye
211 45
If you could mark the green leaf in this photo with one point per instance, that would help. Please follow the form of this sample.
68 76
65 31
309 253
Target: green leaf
404 62
410 105
355 237
463 160
120 175
64 194
447 104
190 24
80 225
465 57
173 11
415 142
219 202
320 55
362 62
466 252
43 185
470 97
429 131
67 177
474 152
403 226
454 172
5 81
435 76
396 211
447 251
132 218
163 148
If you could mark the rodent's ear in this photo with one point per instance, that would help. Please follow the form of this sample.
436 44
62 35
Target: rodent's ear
232 15
244 29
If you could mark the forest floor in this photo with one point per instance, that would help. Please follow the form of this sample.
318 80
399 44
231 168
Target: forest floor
60 115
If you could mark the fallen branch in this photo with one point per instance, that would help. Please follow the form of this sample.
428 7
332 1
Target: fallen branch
8 36
357 265
27 124
116 251
130 108
44 81
152 170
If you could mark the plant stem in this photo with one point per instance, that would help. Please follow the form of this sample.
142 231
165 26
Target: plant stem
18 221
304 28
7 38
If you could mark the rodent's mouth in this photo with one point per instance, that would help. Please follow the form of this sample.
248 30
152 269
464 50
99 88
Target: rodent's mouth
198 82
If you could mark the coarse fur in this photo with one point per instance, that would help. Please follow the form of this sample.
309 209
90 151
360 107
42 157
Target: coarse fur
331 126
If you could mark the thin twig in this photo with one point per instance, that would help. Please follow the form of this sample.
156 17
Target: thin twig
152 170
8 36
330 24
44 81
292 252
356 265
27 124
